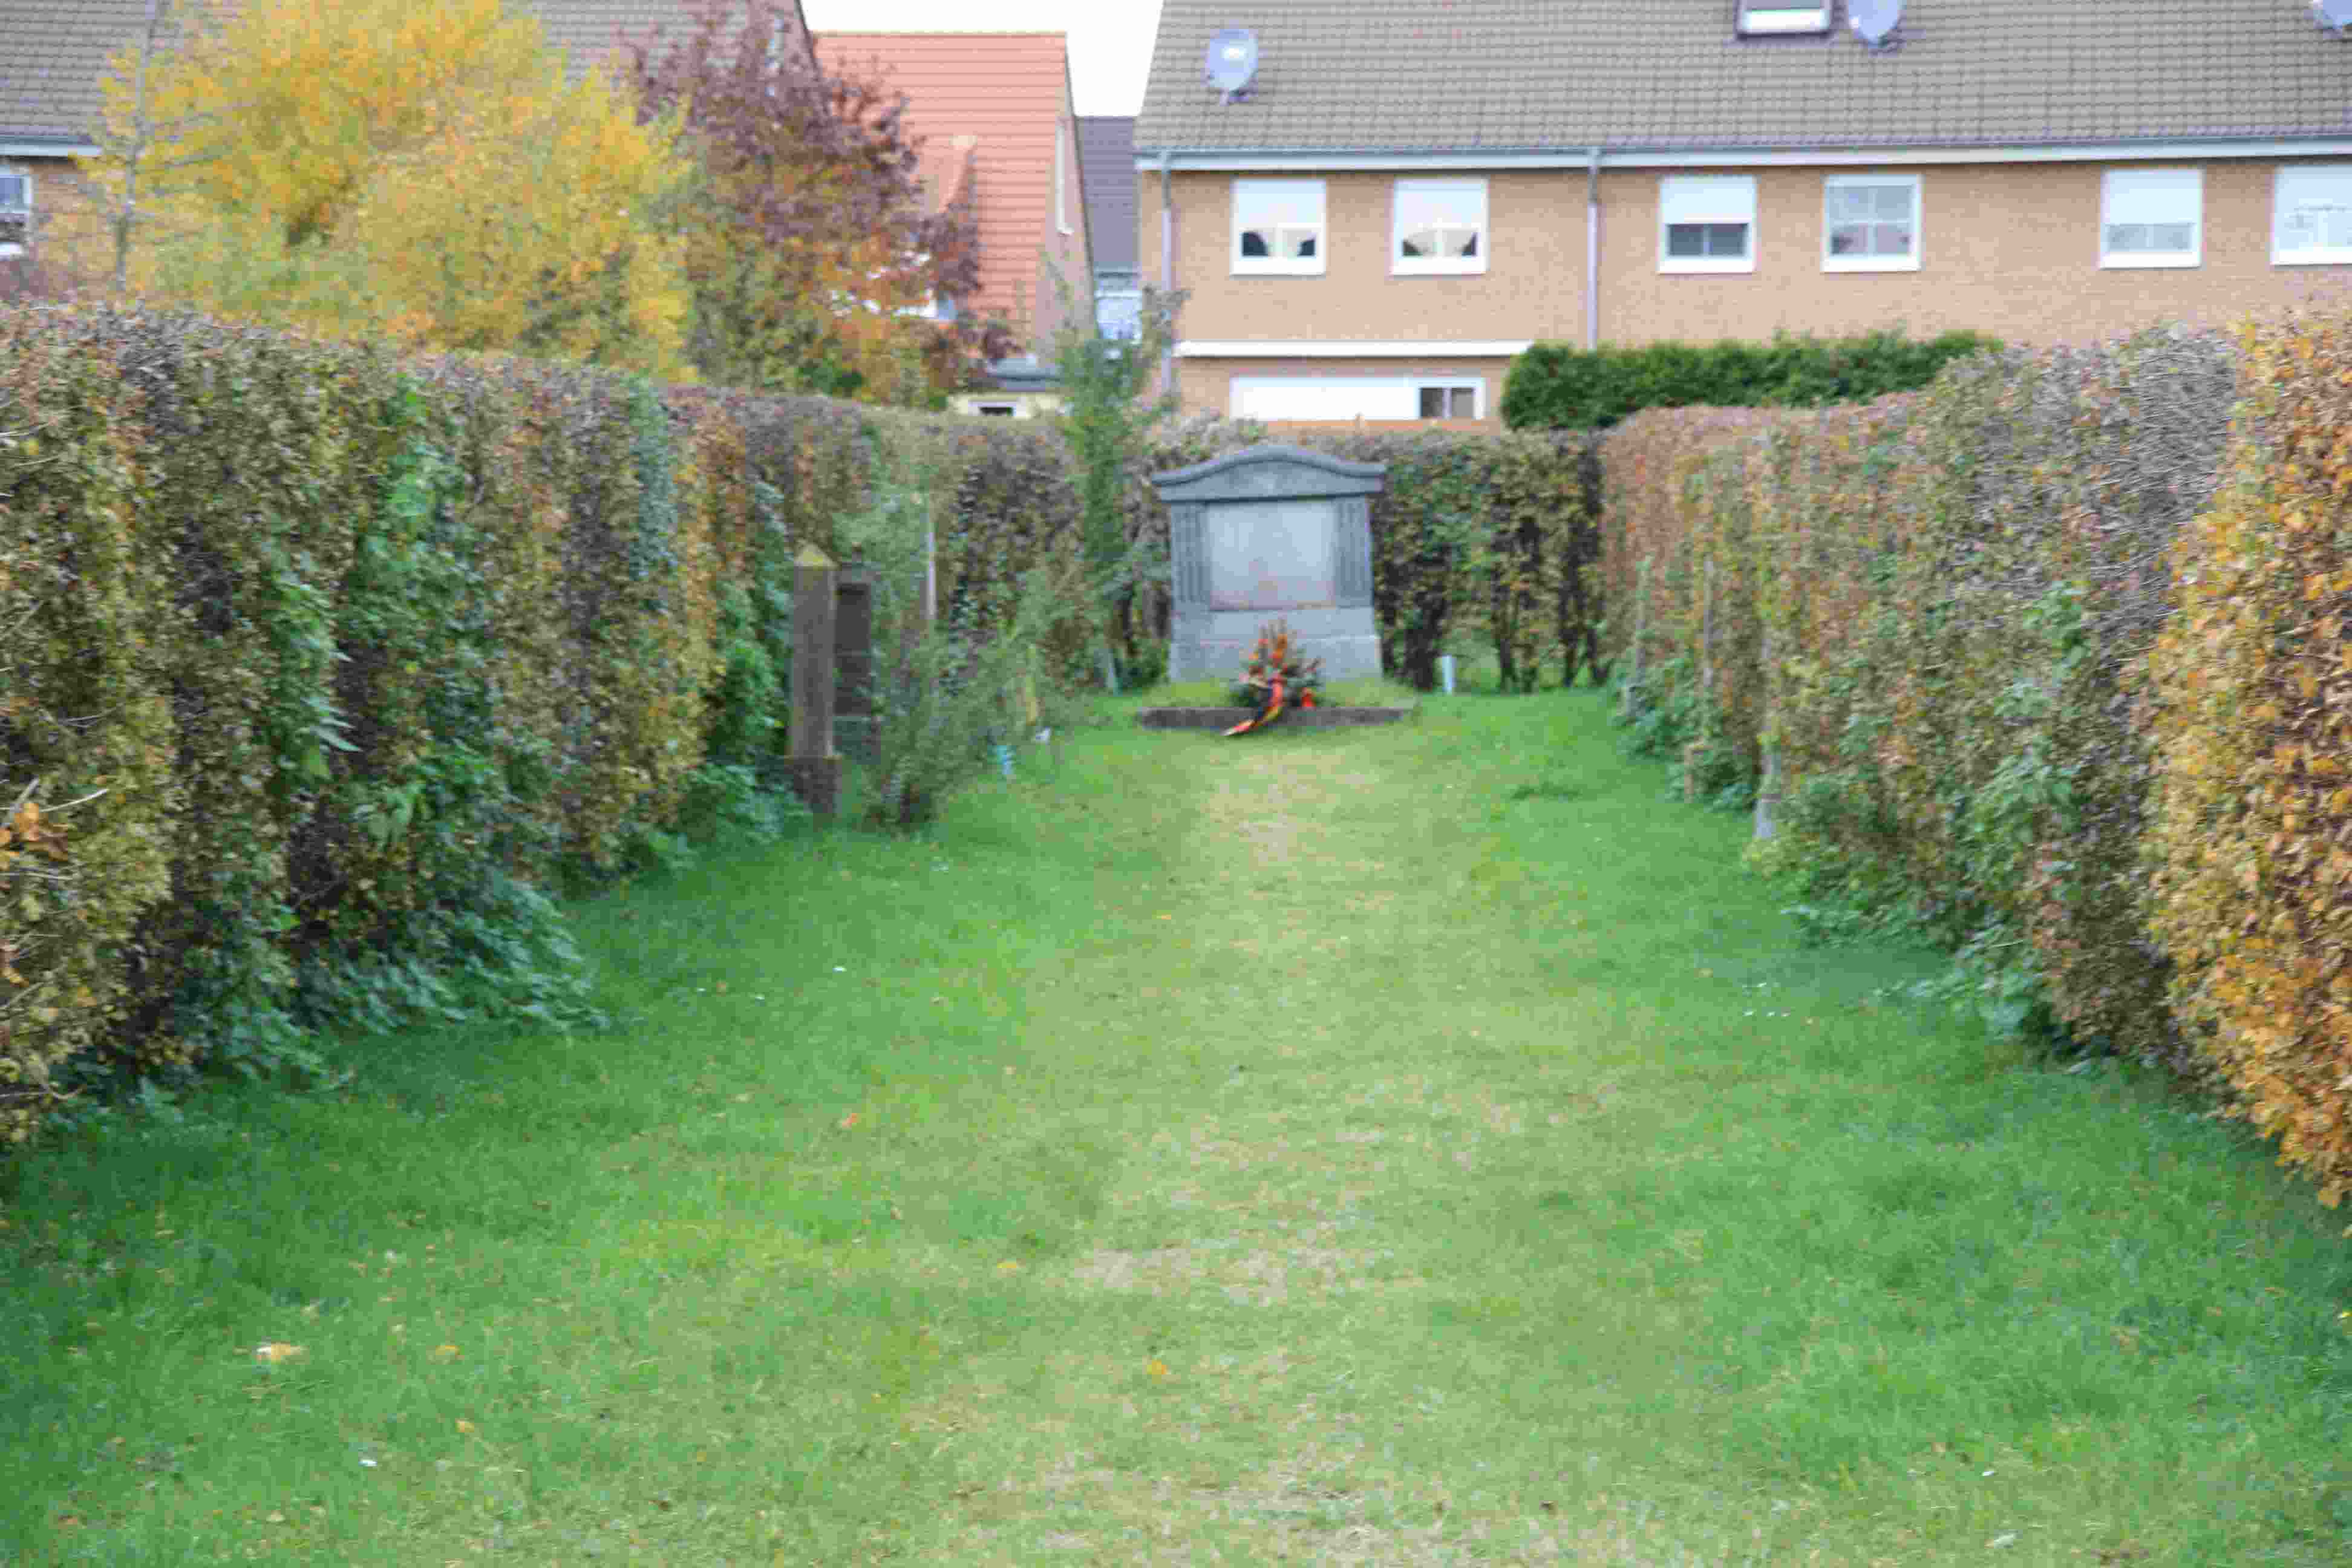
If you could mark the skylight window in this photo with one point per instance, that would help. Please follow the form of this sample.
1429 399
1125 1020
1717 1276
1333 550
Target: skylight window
1766 17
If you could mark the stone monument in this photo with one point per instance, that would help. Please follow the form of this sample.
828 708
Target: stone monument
1272 532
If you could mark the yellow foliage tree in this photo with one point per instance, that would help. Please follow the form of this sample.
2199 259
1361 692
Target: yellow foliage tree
416 169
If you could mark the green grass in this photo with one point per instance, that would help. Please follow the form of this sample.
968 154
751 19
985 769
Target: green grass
1418 1144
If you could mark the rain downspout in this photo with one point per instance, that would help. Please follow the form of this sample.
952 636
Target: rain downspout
1167 272
1592 251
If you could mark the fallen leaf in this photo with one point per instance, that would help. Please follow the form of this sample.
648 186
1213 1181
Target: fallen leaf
445 1352
848 1121
1156 1367
465 1426
1008 1267
275 1352
274 1517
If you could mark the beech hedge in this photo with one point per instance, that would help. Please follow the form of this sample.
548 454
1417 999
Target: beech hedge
320 667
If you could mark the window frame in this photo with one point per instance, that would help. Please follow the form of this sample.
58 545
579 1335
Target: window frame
25 174
1832 262
1800 20
2309 255
2193 257
1277 266
1474 384
1669 217
1239 387
1403 266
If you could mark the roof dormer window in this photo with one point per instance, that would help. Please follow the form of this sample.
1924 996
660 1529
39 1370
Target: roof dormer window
1771 18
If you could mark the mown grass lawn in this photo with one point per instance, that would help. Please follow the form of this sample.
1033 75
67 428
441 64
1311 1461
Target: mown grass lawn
1409 1145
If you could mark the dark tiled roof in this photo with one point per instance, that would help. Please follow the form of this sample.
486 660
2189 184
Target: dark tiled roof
591 30
1435 74
1106 165
54 53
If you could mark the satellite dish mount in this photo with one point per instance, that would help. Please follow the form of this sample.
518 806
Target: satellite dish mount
1875 21
1233 62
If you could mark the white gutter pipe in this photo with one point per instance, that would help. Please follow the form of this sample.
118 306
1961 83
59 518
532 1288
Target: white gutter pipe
1592 251
1166 271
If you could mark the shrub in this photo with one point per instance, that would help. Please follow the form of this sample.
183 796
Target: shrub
2254 798
1552 386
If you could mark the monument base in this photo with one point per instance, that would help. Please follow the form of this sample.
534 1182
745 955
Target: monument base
1215 644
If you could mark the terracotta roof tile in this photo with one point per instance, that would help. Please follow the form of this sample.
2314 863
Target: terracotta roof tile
1007 91
1463 75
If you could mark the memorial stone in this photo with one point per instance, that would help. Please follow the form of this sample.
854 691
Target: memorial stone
1274 532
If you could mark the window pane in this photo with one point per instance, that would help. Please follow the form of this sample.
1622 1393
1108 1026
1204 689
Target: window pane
1253 243
1439 219
1464 401
1686 239
1432 403
1891 239
1848 203
2127 236
2336 228
12 190
1298 243
1726 239
2179 237
1894 202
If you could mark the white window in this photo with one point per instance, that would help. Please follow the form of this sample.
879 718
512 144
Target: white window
1870 222
2152 217
1766 17
998 410
2311 215
1330 398
1450 399
1706 223
1277 225
15 211
1440 226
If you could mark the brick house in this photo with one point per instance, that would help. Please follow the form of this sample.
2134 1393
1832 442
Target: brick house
1000 104
1107 159
1407 192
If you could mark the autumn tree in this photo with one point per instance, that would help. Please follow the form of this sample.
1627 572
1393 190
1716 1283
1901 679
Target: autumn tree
416 169
814 259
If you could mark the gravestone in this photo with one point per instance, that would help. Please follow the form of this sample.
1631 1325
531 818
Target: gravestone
1272 533
853 664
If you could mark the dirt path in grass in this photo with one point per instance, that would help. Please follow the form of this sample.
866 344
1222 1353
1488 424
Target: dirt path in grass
1274 1348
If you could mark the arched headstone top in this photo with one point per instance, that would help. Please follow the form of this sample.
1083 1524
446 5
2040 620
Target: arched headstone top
1273 472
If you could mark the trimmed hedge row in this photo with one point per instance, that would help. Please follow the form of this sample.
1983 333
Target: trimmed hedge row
1553 386
2052 658
2252 732
318 666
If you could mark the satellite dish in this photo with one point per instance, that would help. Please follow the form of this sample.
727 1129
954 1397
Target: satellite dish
1233 60
2333 13
1875 20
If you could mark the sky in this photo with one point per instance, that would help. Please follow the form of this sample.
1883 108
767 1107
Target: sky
1110 40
